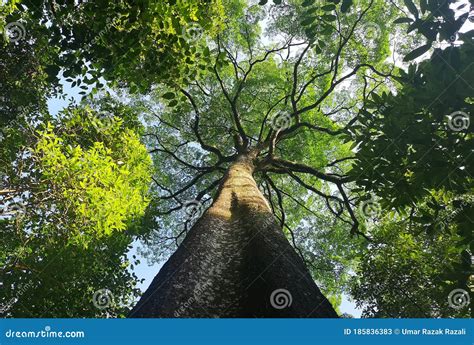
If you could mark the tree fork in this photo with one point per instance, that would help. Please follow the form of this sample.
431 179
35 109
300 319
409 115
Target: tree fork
235 262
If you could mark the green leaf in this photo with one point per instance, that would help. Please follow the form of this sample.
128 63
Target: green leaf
377 98
263 2
417 52
52 70
346 5
307 3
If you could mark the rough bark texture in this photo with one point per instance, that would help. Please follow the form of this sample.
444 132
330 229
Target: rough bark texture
234 263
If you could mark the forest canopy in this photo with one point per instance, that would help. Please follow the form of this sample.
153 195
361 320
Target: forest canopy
351 120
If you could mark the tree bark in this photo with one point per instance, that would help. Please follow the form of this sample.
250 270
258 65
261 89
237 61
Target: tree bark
235 262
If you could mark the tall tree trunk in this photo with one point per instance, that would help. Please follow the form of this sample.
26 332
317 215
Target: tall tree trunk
235 262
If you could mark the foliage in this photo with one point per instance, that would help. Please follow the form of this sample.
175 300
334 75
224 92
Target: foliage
437 21
46 276
133 43
309 87
104 185
403 273
6 8
23 86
